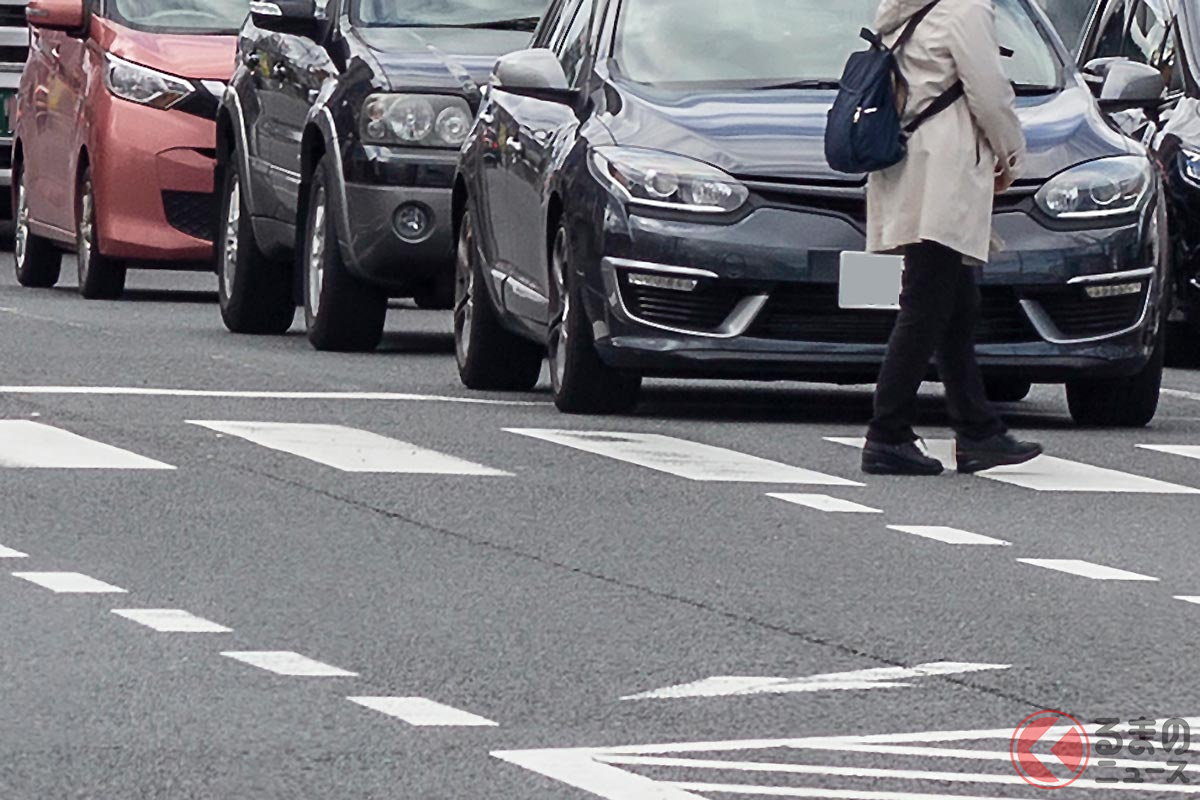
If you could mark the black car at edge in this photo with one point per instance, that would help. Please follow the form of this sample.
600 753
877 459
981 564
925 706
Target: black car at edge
645 194
336 145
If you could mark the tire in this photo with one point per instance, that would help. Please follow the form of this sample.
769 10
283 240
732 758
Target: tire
100 277
1009 390
489 356
343 313
1119 402
581 382
38 261
254 292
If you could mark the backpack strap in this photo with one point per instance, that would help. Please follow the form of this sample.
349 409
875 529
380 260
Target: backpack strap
911 28
939 104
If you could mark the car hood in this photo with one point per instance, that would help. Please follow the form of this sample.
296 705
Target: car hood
780 134
199 56
433 58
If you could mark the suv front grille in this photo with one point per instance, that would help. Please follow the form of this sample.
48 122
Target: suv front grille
194 213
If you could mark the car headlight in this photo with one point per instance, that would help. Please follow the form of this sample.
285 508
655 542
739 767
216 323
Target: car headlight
663 180
419 120
142 85
1107 187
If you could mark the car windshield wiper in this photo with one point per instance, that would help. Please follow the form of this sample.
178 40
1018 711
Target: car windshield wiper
822 83
1030 89
515 24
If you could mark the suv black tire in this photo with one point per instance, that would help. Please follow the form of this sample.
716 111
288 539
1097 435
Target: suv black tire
38 261
254 292
342 312
581 382
100 277
1119 402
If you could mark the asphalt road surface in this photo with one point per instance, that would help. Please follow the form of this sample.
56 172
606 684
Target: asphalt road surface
233 567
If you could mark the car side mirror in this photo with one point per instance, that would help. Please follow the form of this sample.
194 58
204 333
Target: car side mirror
286 16
1122 84
534 73
57 15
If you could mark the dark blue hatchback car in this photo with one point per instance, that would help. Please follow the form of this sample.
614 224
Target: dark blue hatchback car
645 194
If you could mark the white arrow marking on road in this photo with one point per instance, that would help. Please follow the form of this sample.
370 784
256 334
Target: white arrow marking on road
940 533
823 502
682 458
69 583
286 662
33 445
1185 450
423 712
1050 474
8 552
1086 569
170 620
879 678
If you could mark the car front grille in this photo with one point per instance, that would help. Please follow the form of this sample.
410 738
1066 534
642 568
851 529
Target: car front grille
1078 316
703 310
194 213
810 313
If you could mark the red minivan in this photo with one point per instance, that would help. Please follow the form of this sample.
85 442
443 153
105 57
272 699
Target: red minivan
115 136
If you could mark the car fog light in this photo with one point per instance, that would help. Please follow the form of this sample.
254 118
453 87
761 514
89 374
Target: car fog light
413 222
661 282
1114 290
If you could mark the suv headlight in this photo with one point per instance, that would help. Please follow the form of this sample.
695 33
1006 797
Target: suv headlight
663 180
1107 187
142 85
418 120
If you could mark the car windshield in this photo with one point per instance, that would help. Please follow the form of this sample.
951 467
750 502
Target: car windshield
182 16
779 42
502 14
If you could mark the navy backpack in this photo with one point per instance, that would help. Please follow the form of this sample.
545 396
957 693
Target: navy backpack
864 132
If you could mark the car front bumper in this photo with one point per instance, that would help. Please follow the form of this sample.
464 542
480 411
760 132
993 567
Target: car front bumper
766 307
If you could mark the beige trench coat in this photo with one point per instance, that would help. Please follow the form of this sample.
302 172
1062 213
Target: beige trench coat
944 190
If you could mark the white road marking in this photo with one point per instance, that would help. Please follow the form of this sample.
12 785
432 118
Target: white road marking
348 449
170 620
875 678
286 662
1185 450
1051 474
1180 393
8 552
141 391
1086 569
823 502
1188 598
941 533
28 444
423 712
683 458
69 583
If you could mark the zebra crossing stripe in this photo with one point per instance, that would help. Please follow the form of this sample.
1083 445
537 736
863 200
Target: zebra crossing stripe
682 458
422 712
34 445
348 449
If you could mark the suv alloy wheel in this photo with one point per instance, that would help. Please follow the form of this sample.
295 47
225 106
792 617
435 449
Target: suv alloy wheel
38 261
100 277
255 292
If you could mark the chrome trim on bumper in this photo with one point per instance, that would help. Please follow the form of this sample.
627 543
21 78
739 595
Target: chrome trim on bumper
1113 277
646 266
1046 328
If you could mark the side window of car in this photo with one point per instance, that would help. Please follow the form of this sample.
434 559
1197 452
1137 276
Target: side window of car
573 48
1113 40
550 28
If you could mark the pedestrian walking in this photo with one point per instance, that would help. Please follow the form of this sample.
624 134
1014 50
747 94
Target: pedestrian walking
935 208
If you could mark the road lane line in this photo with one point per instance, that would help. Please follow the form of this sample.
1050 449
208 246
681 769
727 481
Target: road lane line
348 449
33 445
8 552
1051 474
141 391
823 502
423 712
682 458
941 533
1086 569
1185 450
286 662
1189 598
170 620
69 583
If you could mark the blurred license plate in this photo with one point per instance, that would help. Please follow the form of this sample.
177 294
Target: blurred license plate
870 280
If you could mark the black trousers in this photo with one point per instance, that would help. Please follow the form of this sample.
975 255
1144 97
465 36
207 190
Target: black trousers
939 306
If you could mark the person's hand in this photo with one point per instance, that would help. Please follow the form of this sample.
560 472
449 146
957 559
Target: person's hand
1004 182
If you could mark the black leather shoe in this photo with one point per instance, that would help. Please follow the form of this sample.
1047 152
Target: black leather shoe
1001 450
898 459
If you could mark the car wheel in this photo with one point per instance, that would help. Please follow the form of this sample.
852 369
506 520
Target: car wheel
1119 402
100 277
254 292
1008 390
38 261
582 383
489 355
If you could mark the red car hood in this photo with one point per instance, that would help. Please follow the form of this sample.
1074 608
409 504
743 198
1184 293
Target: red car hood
186 55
